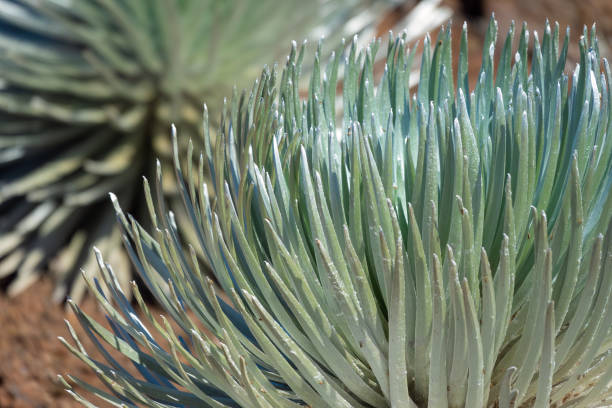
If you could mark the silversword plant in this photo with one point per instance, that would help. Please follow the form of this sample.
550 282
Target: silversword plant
447 248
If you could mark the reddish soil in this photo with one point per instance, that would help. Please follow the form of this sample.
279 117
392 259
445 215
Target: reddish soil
31 356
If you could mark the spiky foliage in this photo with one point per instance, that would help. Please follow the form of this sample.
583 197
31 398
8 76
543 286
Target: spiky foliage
88 91
451 248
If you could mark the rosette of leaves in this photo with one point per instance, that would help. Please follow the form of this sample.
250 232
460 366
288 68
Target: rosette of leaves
88 90
447 248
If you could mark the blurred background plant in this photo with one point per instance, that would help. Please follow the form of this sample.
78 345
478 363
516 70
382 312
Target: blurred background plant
450 247
88 90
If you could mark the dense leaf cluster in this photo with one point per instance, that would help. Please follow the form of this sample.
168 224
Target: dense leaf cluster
445 248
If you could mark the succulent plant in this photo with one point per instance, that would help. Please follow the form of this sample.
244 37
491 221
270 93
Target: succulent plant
447 248
88 90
